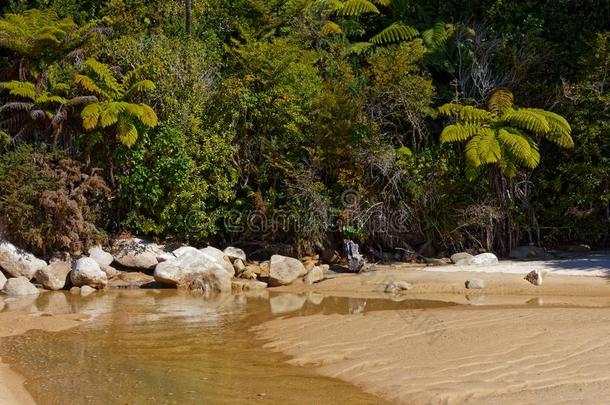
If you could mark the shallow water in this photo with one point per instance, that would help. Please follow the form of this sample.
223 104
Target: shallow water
171 347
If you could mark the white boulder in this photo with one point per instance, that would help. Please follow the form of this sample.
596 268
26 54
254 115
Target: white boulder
284 270
19 286
102 257
17 262
2 280
136 253
55 275
235 253
86 271
194 270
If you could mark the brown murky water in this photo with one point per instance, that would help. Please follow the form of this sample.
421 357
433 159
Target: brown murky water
167 347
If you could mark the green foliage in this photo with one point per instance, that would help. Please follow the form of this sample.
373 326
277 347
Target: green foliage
114 107
502 134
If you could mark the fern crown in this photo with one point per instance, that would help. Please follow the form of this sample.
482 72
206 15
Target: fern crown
503 134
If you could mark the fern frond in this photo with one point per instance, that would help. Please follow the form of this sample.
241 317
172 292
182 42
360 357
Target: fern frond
488 146
81 100
458 133
103 72
110 114
91 114
357 7
521 147
472 151
127 131
142 85
473 115
396 32
560 131
385 3
358 48
21 89
330 28
450 109
499 101
438 35
527 119
88 84
16 106
144 113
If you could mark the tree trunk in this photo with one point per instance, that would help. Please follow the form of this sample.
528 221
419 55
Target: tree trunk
187 9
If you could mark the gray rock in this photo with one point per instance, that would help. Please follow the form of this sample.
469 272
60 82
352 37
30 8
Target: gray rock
461 258
235 253
17 262
247 285
2 280
355 261
287 302
284 270
528 252
135 253
183 250
86 271
484 259
397 287
19 286
110 271
75 290
55 275
239 266
534 277
102 257
475 284
194 270
316 274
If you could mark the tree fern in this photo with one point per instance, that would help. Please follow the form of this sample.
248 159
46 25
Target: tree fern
115 109
396 32
357 7
502 134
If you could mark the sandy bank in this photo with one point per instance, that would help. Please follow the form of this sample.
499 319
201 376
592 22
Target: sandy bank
457 355
12 390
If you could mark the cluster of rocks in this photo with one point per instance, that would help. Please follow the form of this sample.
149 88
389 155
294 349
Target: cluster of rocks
209 270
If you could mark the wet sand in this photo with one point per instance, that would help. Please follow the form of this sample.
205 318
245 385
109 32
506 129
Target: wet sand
457 355
12 390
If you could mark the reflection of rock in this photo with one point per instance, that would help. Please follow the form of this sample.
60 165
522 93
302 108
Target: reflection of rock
356 305
25 303
397 287
476 299
315 298
284 270
53 302
2 280
17 262
535 301
55 275
86 290
19 286
1 303
287 302
474 284
87 272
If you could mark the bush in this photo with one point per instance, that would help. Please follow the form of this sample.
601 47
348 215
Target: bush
47 203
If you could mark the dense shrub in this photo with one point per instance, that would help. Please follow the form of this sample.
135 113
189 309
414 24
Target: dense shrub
48 203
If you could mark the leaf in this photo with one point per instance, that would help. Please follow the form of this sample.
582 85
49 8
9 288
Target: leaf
128 133
499 101
91 114
88 84
21 89
458 133
527 119
357 7
396 32
103 72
